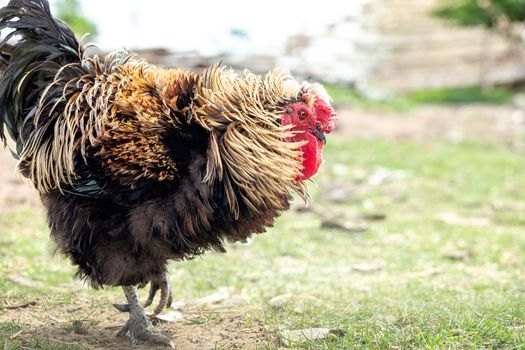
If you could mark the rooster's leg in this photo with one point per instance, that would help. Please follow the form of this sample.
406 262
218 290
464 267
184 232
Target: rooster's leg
138 325
162 284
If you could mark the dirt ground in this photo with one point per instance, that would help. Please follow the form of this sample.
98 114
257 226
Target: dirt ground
203 329
15 192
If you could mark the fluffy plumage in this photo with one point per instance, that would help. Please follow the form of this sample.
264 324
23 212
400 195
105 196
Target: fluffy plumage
138 165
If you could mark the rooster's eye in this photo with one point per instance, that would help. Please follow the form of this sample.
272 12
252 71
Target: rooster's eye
302 114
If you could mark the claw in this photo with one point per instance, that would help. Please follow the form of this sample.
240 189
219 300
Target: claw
123 330
122 307
152 292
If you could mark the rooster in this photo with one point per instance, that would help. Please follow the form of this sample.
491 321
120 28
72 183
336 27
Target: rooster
138 165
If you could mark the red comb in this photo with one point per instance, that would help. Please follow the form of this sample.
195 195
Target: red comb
324 112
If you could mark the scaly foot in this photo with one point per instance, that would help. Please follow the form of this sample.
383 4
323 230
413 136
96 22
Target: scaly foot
161 283
138 325
165 300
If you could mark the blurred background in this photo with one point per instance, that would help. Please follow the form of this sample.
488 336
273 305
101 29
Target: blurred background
398 45
414 238
374 56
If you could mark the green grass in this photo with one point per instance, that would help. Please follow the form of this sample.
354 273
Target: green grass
350 97
496 95
419 299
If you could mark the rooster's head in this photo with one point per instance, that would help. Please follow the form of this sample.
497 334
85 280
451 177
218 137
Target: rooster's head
311 117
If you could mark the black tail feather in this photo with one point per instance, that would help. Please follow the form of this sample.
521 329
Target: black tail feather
31 54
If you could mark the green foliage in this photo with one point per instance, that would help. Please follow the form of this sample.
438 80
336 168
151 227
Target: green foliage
348 96
497 96
488 13
70 12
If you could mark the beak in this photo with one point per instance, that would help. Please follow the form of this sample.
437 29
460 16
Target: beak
320 135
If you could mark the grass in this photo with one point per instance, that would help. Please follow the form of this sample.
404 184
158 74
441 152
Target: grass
418 297
350 97
496 95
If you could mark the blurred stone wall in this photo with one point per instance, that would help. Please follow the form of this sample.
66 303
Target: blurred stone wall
347 51
424 52
393 44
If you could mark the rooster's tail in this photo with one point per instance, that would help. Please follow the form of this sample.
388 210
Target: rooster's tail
34 49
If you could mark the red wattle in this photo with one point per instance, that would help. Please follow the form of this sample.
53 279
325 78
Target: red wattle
312 156
323 120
